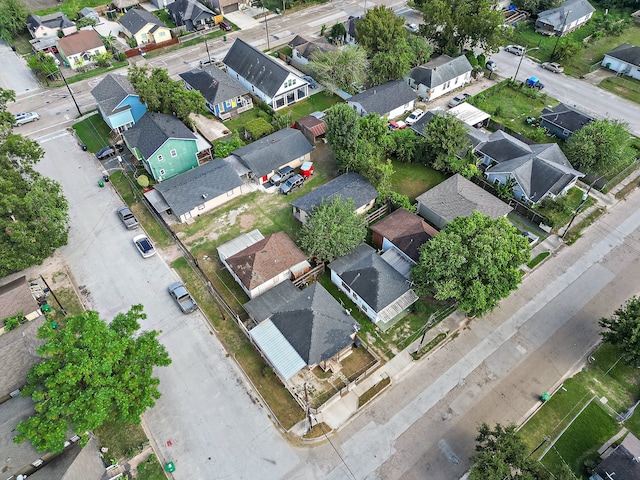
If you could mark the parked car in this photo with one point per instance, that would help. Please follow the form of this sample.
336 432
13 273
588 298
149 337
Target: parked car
127 217
414 116
224 25
105 152
515 49
533 82
491 66
282 175
144 246
312 83
458 99
412 27
552 66
182 297
25 117
532 238
399 125
295 182
204 62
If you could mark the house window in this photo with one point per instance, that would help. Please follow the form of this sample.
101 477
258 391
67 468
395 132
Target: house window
174 153
160 158
162 172
346 287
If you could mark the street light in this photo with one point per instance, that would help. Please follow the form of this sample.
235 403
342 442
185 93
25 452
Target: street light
522 58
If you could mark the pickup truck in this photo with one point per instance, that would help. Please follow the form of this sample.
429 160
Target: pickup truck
127 217
182 297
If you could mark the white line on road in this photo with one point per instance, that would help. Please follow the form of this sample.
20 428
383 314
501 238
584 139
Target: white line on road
326 19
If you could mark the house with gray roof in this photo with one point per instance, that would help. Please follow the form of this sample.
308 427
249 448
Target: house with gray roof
191 14
537 171
348 185
379 290
566 18
391 99
286 147
301 328
49 25
118 103
624 59
199 190
563 121
144 26
224 96
88 12
621 461
439 76
164 145
302 49
458 197
263 76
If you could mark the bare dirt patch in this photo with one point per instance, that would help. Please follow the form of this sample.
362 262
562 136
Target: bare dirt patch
247 221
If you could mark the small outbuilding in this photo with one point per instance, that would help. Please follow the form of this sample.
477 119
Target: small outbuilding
312 128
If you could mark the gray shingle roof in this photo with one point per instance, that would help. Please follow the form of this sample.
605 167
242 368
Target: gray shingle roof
260 70
15 297
189 10
311 320
373 279
185 192
134 20
459 197
440 70
153 129
18 355
56 20
348 185
214 84
270 153
565 117
627 53
111 91
501 146
384 98
557 17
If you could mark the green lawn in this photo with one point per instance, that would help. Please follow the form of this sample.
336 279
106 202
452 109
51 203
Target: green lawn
71 7
93 132
560 210
413 179
124 440
318 102
150 469
164 16
625 87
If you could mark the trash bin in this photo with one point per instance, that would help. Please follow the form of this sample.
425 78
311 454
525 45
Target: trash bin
224 38
84 147
277 11
545 397
45 307
169 467
105 178
101 183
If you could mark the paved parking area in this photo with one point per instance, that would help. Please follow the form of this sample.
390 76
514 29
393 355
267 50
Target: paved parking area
14 74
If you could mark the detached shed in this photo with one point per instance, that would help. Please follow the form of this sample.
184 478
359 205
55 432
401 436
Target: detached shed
311 127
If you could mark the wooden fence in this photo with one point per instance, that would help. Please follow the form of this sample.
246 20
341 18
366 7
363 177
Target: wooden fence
149 47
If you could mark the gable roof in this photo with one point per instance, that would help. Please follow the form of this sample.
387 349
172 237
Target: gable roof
214 84
79 42
619 465
313 124
273 151
459 197
439 70
373 279
18 354
57 20
111 91
266 259
135 20
153 130
311 320
384 98
189 10
348 185
406 231
627 53
566 117
297 41
257 68
306 50
15 297
568 12
186 191
501 146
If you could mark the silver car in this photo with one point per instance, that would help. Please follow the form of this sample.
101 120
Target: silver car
25 117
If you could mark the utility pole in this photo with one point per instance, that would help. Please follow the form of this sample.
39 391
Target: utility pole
522 58
561 33
70 92
206 45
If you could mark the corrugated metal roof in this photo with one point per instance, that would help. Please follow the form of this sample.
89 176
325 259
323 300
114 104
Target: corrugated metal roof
239 243
398 262
281 355
467 113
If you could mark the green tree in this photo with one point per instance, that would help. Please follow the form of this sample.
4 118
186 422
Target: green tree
109 41
445 144
43 65
566 49
338 32
103 59
342 133
13 18
600 147
223 148
474 261
342 68
379 30
334 229
92 372
405 145
34 219
392 64
623 330
502 454
457 24
85 22
420 50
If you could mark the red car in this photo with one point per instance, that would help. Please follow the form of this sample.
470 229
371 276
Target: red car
399 125
224 25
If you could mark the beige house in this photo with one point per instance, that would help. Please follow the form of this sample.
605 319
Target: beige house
144 26
80 48
49 25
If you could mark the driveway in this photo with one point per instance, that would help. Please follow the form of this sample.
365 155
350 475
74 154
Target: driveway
14 74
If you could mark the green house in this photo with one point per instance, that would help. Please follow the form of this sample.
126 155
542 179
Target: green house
164 145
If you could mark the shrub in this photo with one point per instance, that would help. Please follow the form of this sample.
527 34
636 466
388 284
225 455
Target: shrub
257 128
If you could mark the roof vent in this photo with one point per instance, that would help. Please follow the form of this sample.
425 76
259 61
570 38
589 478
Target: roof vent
204 195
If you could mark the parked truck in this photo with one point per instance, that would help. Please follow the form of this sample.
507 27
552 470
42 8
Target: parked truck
533 82
182 297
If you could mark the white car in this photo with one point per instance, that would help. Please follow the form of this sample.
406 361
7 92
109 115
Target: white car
414 117
25 117
412 27
144 246
515 49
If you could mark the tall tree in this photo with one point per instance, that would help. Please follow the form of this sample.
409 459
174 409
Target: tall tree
502 454
342 68
600 147
43 65
13 18
379 29
445 144
34 217
333 230
623 330
474 261
457 24
92 372
338 32
342 133
393 64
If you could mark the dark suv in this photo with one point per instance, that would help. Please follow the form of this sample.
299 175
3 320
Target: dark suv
285 173
292 184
